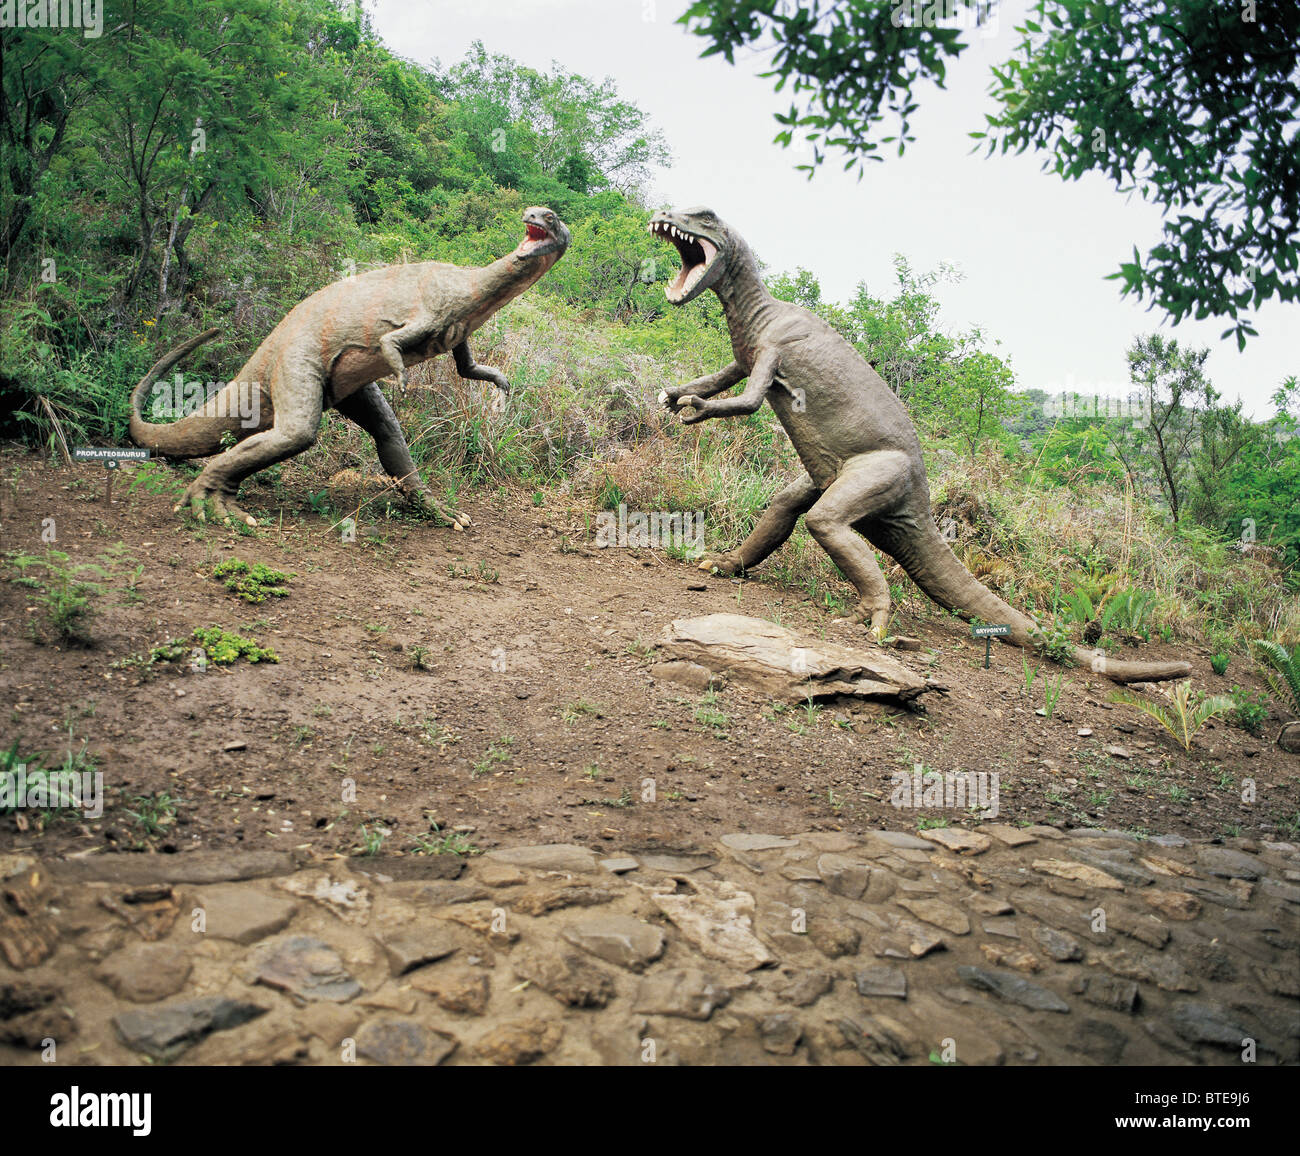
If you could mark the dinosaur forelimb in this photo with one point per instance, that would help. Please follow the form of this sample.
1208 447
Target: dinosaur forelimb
703 386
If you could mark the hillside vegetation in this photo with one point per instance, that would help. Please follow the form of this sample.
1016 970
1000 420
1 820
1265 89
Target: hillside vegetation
214 165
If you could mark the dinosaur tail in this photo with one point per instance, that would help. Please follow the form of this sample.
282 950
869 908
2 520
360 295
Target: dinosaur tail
920 549
198 434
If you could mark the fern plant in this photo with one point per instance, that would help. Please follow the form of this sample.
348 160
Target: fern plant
1281 671
1186 716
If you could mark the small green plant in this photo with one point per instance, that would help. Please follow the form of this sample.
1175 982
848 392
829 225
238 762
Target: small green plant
255 583
575 710
372 838
498 752
1249 711
1052 694
1219 663
224 646
436 843
419 658
1030 673
62 592
1053 641
153 813
1185 717
708 716
926 824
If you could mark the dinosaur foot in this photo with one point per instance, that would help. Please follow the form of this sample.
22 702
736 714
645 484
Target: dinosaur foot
223 505
425 501
724 565
877 618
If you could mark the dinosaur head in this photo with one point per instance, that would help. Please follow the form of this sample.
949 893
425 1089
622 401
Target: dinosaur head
546 234
704 243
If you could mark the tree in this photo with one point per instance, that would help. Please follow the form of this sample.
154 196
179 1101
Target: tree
1192 103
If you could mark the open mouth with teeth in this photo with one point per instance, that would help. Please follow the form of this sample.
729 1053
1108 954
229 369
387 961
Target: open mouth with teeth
538 239
697 255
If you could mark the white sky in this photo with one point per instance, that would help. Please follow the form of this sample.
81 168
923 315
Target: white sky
1034 249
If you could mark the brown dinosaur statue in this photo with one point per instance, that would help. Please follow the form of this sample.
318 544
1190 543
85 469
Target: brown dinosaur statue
330 350
866 478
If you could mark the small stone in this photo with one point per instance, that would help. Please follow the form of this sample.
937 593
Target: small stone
833 938
455 989
567 978
781 1033
1276 889
677 864
743 842
685 991
547 857
1204 1023
618 939
1109 992
806 988
1228 864
1079 873
903 642
403 1042
305 967
988 904
939 913
31 1013
482 919
520 1041
843 876
718 919
960 841
1058 945
413 947
540 900
1084 732
1013 989
1117 752
1164 971
345 898
499 875
235 745
1173 904
242 913
145 972
1011 836
1018 958
1006 928
440 893
167 1030
881 981
619 864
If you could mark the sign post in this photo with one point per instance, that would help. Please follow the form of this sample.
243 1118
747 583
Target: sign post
112 457
988 633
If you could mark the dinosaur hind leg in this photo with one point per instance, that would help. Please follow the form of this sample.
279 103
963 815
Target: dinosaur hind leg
370 410
769 533
867 487
293 428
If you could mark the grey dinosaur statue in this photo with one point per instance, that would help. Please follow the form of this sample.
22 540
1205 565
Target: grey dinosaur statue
866 478
330 350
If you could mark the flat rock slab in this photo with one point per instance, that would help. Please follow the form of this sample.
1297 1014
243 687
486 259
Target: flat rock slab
570 979
404 1042
196 867
166 1031
412 947
520 1042
963 842
306 968
881 981
939 913
742 842
784 664
547 857
146 972
718 919
242 914
1011 836
454 989
346 898
687 992
1013 989
618 939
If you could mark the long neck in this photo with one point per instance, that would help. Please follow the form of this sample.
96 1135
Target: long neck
745 299
504 280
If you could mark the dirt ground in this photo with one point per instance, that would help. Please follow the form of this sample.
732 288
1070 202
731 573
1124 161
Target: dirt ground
497 683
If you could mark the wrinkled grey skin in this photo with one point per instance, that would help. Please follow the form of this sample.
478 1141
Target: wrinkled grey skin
330 350
866 478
